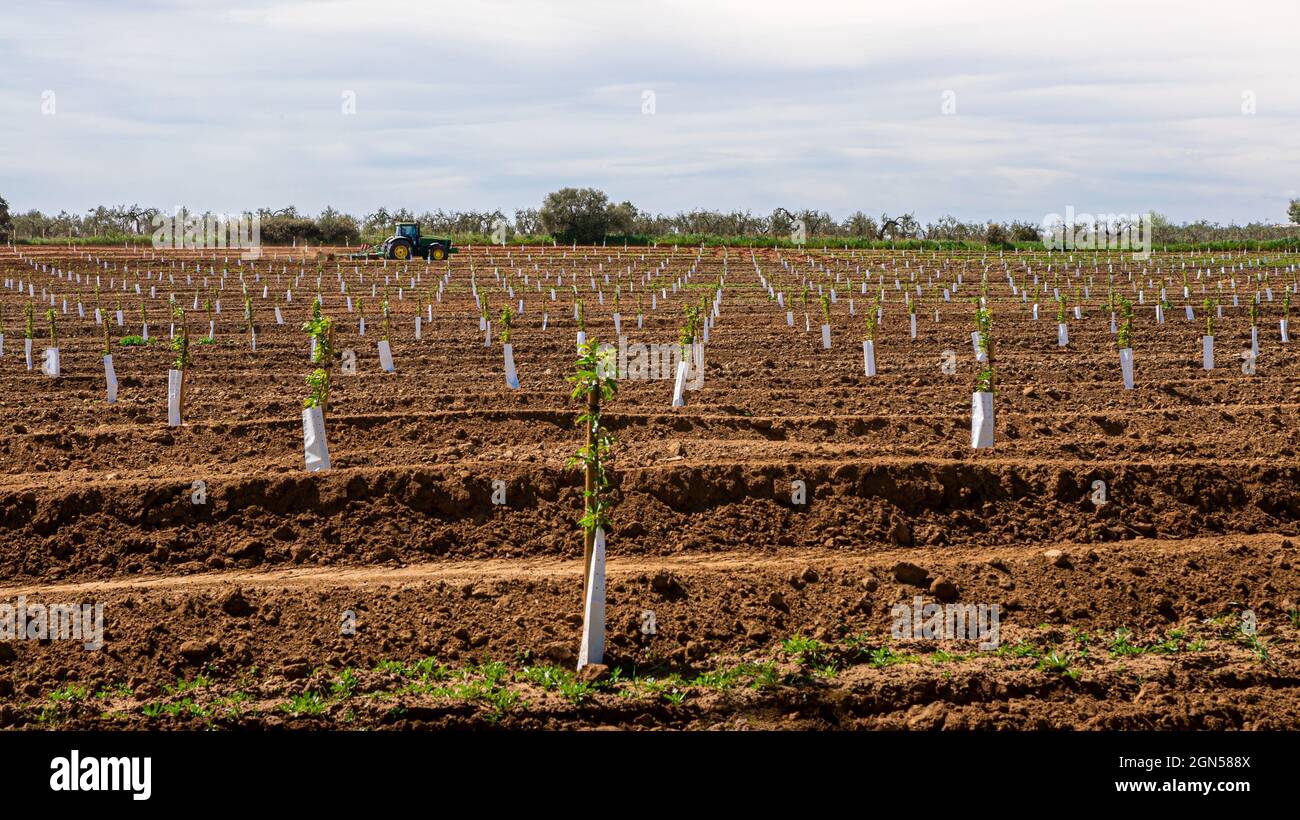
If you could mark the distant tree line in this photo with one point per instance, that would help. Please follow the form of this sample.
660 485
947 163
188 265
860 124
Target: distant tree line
586 215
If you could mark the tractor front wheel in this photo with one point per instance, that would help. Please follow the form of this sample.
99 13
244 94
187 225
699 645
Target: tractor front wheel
437 252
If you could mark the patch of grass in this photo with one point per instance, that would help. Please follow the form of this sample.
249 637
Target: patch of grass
942 656
118 690
68 694
1058 663
1257 646
305 703
555 679
807 651
134 341
187 706
1019 649
1174 641
886 656
182 686
233 704
1122 645
343 687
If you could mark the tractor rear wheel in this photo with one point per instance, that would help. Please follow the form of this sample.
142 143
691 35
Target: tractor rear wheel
400 251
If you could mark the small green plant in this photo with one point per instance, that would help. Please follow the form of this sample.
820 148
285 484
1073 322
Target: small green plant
1058 663
29 314
593 383
826 309
305 703
807 651
1209 306
54 327
320 328
984 325
581 317
507 318
1122 644
181 344
870 318
1259 648
883 656
1124 338
182 685
346 683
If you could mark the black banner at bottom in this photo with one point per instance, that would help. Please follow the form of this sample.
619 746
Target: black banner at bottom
211 770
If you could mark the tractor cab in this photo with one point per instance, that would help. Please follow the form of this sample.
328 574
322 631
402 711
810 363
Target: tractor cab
410 230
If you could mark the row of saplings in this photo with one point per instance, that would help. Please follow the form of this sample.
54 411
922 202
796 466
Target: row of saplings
321 332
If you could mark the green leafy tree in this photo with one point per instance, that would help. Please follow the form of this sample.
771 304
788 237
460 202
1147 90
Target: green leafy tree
6 222
582 215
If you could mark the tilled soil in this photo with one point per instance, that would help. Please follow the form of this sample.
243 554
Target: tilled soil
394 591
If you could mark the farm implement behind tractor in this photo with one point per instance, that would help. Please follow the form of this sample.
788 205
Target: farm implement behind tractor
407 243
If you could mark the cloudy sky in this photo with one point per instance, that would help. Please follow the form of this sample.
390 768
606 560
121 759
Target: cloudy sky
1005 110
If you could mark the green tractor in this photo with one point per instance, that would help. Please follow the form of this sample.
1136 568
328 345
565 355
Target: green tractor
406 243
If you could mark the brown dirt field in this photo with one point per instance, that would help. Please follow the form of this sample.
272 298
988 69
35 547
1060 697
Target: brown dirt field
768 613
